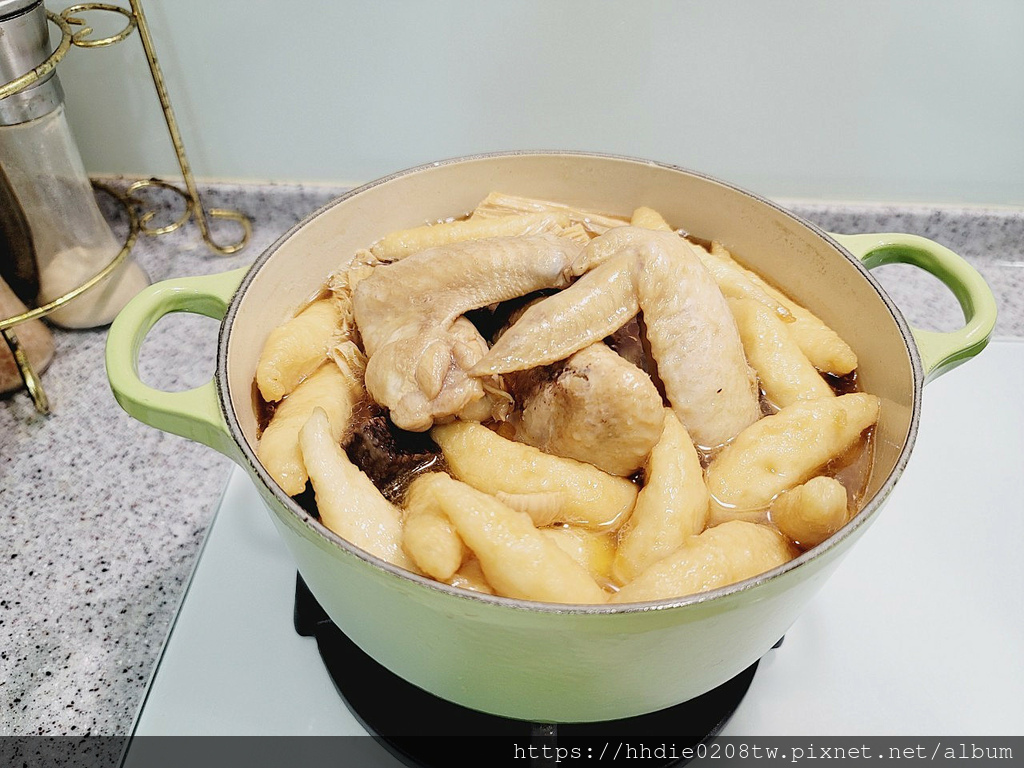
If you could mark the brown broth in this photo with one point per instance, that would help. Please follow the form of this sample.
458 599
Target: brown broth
263 410
853 470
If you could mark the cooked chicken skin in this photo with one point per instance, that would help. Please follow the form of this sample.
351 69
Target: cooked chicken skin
595 306
691 331
408 315
696 344
598 408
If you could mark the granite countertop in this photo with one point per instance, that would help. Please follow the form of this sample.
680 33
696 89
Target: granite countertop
104 516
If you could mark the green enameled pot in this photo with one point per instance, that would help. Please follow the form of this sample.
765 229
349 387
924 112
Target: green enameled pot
516 658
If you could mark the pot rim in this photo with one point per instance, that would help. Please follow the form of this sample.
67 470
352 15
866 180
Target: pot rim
863 517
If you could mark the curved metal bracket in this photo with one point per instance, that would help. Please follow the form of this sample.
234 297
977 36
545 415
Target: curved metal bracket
139 222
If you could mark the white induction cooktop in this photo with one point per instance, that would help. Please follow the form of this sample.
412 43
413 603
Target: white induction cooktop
918 633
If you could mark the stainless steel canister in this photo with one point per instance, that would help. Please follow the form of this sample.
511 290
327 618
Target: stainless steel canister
54 237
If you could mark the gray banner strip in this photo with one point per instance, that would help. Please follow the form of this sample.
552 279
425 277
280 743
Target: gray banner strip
366 752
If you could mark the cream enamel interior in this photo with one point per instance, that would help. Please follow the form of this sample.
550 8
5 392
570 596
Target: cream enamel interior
805 263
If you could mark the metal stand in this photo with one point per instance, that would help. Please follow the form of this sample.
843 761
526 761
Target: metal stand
139 220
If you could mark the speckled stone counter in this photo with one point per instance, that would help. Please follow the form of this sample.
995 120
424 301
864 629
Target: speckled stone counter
104 517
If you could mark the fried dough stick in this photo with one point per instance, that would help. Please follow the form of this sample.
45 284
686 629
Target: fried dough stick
493 464
822 345
784 450
337 387
671 507
347 500
429 537
810 513
723 555
296 349
785 373
397 245
516 558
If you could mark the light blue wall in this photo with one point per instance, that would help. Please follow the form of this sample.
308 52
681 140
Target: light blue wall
902 100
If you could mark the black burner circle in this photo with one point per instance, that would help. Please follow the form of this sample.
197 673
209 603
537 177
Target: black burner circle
424 731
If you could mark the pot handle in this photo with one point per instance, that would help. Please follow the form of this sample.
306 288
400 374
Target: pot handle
940 352
194 413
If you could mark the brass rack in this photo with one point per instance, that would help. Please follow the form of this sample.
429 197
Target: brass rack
139 220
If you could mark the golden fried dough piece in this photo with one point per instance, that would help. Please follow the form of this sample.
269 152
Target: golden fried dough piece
594 550
297 348
822 345
723 555
408 314
491 463
516 558
672 505
692 334
648 218
498 204
784 450
335 388
598 408
471 576
810 513
543 507
429 538
735 282
786 374
347 500
402 243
